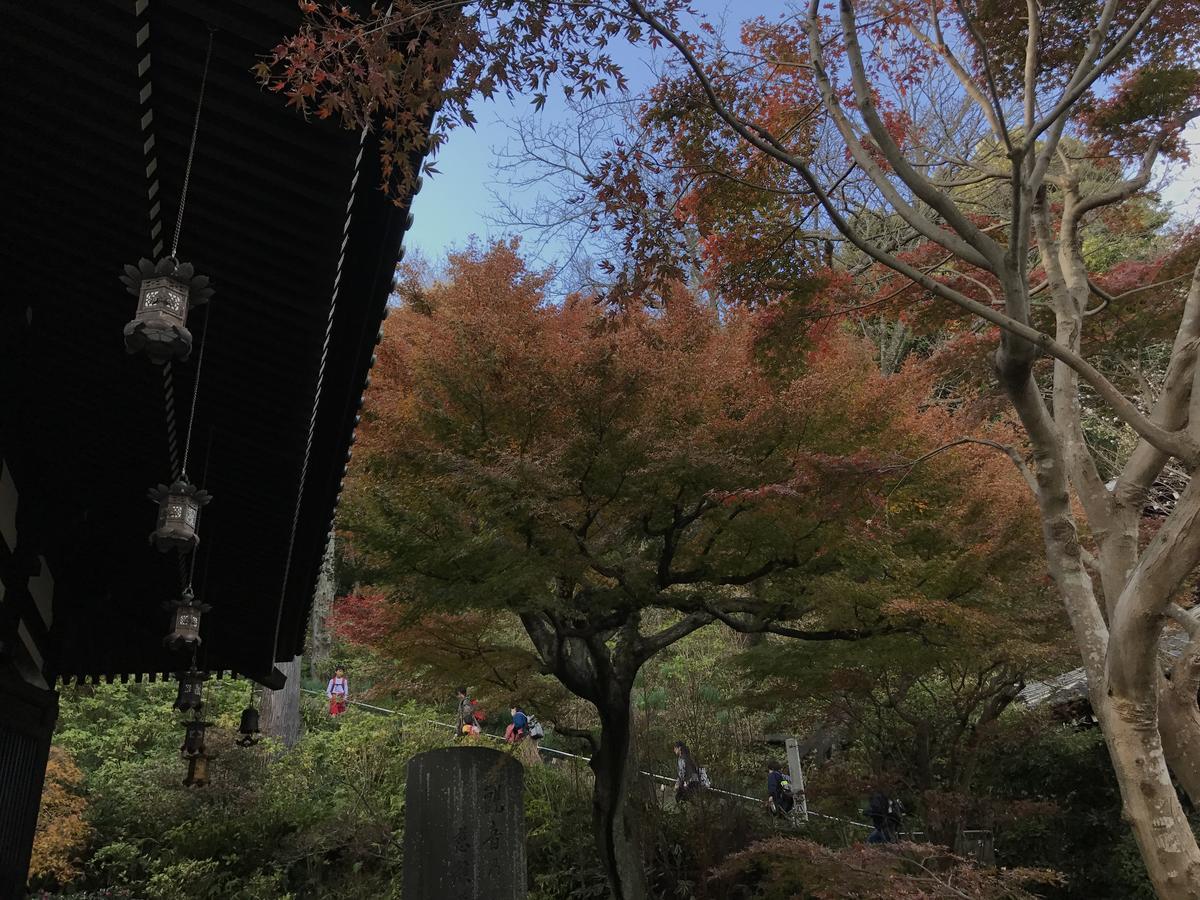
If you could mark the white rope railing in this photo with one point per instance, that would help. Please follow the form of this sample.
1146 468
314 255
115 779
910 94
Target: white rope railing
585 759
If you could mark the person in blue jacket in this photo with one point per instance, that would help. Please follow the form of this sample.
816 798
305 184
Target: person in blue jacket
519 727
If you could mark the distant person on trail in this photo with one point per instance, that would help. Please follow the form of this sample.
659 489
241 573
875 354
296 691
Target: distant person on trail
687 782
466 715
519 727
338 692
780 799
885 815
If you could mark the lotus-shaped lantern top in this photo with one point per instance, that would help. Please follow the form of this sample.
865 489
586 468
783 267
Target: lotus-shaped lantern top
199 287
166 290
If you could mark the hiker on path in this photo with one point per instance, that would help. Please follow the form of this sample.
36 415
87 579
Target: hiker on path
780 799
687 782
466 715
884 814
519 727
338 692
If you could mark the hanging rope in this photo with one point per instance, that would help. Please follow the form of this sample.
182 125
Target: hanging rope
187 172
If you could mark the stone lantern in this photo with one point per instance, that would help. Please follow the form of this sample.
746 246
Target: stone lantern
185 622
178 512
165 292
191 690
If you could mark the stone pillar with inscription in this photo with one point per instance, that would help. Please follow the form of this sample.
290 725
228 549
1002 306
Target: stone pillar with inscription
464 826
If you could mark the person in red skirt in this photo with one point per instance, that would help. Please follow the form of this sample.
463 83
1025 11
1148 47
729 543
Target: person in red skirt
338 691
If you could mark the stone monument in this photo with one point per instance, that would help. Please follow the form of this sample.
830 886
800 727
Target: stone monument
464 826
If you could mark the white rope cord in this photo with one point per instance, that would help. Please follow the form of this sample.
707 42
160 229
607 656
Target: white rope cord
586 759
317 392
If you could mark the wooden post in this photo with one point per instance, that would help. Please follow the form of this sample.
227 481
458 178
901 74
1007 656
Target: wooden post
279 712
796 775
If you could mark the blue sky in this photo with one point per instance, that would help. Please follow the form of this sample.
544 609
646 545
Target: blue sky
457 203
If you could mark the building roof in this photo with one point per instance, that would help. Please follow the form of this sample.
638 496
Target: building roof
1072 686
287 218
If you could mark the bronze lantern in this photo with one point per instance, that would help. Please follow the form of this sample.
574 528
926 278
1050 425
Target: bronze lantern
195 752
185 622
197 774
248 729
178 513
191 691
165 292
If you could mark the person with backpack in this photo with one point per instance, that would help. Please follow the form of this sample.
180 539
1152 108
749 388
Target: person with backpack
884 814
688 780
338 692
519 727
780 799
467 718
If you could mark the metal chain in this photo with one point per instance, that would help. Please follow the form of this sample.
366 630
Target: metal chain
187 172
187 441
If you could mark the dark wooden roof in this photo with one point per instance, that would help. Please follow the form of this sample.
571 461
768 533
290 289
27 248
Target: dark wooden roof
98 102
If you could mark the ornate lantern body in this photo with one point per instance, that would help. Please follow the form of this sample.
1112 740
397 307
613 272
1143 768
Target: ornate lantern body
248 729
165 292
185 622
191 690
197 774
178 514
193 738
195 752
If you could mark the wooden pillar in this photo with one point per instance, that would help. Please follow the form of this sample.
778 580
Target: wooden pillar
279 714
796 776
27 717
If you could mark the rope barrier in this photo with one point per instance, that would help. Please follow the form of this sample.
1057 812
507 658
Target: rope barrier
576 756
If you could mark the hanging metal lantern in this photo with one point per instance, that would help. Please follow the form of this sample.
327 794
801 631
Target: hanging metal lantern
185 622
191 691
193 738
165 292
195 752
178 512
248 729
197 774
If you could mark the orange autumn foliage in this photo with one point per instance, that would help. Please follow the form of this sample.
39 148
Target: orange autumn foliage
62 830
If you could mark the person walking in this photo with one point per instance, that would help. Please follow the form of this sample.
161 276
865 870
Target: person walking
884 814
780 799
338 692
687 781
466 715
519 727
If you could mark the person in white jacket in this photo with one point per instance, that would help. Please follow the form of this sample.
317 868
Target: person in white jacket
338 692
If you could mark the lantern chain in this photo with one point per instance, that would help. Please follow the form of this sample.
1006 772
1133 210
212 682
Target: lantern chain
187 172
187 439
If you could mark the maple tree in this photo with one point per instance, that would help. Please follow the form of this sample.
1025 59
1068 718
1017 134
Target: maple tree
412 71
618 478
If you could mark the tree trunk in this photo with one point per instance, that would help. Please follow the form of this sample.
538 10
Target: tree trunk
1179 723
613 815
1151 805
279 715
320 644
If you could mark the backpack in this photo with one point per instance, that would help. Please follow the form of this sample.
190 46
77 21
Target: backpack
705 781
785 789
478 714
534 728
